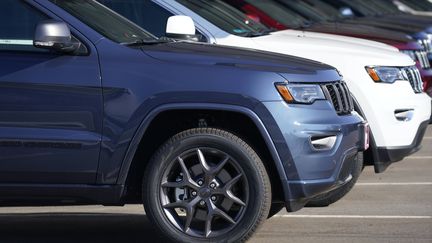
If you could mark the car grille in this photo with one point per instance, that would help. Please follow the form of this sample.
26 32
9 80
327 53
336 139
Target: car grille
427 45
340 96
422 58
412 74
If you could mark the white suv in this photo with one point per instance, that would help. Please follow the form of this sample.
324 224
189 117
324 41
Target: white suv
385 84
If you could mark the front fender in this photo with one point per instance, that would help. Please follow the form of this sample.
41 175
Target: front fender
127 161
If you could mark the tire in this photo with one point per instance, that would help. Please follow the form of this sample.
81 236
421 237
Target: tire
335 195
275 208
214 177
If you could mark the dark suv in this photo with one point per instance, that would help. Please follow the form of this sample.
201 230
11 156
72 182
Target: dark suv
95 110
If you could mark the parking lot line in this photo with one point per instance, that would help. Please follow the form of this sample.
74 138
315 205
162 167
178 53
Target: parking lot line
419 157
394 184
351 216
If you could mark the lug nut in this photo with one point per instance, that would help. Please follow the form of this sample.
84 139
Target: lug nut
202 203
194 193
213 185
213 198
200 182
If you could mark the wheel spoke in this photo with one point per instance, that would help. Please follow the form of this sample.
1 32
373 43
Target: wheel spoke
226 191
213 210
189 218
175 205
189 207
223 215
187 179
209 171
174 184
235 199
208 223
203 161
219 167
232 182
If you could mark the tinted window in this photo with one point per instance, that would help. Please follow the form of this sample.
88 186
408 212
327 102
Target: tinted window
17 25
105 21
225 17
145 13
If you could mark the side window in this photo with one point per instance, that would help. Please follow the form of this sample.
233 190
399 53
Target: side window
203 38
145 13
17 25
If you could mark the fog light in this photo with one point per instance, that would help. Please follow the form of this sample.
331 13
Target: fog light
323 143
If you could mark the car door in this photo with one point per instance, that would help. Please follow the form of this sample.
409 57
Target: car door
50 105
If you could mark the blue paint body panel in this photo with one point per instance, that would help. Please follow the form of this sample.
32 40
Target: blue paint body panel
78 120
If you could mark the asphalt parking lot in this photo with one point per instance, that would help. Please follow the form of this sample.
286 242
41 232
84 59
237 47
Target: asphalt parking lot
392 207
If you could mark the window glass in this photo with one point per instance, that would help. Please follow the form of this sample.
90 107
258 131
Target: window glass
225 17
17 25
279 13
106 22
144 13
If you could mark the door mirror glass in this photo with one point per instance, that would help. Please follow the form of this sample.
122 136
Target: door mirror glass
181 28
346 12
55 35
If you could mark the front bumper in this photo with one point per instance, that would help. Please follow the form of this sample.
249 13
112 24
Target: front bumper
394 111
388 155
311 170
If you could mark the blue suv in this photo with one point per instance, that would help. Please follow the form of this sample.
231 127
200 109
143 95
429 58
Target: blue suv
95 110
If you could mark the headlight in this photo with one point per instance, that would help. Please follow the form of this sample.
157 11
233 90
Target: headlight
385 74
410 53
300 93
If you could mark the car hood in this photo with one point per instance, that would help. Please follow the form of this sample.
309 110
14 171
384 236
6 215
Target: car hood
361 31
291 68
330 51
409 27
346 39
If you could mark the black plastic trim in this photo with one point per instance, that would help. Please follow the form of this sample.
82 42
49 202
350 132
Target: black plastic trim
388 155
59 194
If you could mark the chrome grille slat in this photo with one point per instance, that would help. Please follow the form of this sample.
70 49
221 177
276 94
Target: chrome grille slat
412 74
422 58
338 98
350 100
344 97
338 93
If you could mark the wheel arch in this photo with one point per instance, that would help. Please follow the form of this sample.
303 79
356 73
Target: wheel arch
274 163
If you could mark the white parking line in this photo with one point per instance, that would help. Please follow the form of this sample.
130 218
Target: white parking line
394 184
351 216
419 157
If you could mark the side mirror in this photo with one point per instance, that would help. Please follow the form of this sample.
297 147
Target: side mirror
346 12
181 28
55 35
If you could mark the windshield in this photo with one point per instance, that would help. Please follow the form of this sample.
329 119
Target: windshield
225 17
105 21
383 6
419 5
372 7
314 10
279 12
357 7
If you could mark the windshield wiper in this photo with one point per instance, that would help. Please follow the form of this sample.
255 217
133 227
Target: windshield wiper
143 42
259 33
